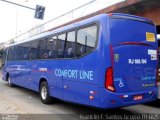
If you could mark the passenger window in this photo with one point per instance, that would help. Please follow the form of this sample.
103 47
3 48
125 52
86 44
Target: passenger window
17 50
60 45
22 52
25 51
49 50
86 40
10 54
43 48
35 50
70 45
16 53
39 49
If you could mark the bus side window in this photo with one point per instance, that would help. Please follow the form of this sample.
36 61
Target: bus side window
34 50
39 49
10 56
49 48
60 45
43 48
86 40
70 45
22 52
18 51
25 52
54 47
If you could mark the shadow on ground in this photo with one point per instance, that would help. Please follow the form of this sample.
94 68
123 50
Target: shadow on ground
154 103
71 111
77 109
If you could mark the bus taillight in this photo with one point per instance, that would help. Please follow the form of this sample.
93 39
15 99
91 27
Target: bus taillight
109 83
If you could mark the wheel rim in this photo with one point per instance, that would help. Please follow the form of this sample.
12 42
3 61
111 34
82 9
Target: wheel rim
44 92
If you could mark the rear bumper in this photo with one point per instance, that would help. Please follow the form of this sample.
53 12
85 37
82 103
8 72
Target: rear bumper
113 100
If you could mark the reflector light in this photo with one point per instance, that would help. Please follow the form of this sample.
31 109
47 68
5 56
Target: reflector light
123 96
92 92
91 97
110 88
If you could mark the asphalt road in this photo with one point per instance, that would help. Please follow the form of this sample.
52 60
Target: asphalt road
27 105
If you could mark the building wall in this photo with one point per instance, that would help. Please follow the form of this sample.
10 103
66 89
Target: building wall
153 14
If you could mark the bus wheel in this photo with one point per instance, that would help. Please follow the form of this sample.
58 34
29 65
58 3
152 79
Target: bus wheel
44 93
9 81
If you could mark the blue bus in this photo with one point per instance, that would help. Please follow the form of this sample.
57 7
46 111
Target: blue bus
106 61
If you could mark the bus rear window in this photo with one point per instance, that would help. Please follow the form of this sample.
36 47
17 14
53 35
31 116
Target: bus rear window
126 30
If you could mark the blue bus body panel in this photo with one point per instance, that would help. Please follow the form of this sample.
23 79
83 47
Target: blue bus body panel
82 80
136 60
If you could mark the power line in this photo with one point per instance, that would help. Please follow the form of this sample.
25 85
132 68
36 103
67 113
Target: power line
58 17
84 10
71 11
18 4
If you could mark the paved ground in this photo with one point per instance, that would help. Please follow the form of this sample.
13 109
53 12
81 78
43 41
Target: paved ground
26 103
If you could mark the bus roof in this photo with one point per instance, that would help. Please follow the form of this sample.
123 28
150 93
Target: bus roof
127 16
68 27
80 23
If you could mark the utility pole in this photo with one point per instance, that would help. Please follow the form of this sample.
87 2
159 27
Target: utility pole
39 11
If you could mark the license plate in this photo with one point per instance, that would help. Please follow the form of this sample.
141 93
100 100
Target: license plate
138 97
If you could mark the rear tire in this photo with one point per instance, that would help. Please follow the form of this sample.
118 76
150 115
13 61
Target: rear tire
44 93
9 81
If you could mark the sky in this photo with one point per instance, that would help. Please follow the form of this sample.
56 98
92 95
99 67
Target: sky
16 20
